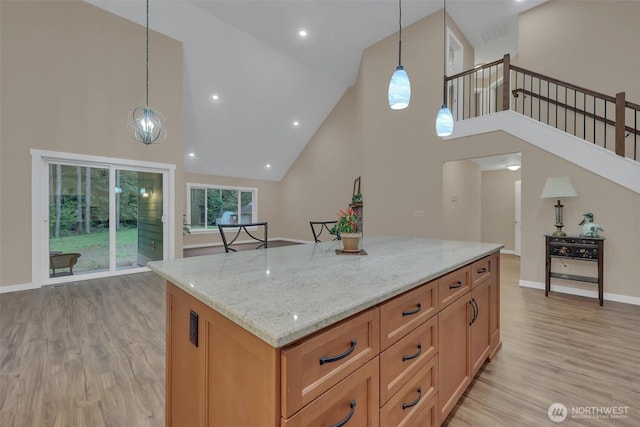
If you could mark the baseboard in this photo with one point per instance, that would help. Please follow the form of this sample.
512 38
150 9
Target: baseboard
508 252
201 245
582 292
17 288
287 239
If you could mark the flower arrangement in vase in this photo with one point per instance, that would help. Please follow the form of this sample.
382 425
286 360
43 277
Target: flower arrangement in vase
347 230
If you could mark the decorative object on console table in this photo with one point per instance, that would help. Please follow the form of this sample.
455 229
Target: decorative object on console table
589 228
556 188
581 248
356 202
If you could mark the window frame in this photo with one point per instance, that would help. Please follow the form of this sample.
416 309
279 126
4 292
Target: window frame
206 187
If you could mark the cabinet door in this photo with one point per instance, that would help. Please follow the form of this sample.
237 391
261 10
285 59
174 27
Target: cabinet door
454 355
480 334
494 314
185 381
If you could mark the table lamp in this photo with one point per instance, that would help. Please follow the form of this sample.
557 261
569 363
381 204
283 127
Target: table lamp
556 188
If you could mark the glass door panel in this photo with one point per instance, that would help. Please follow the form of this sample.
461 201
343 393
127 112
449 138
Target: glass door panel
126 221
78 219
150 225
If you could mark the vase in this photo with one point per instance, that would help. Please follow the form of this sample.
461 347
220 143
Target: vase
350 242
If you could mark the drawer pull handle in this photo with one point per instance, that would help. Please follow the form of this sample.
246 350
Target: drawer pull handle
346 419
456 286
409 313
482 270
329 359
415 402
414 355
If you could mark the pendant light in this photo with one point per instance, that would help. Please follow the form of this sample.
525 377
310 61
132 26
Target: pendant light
444 120
147 125
399 86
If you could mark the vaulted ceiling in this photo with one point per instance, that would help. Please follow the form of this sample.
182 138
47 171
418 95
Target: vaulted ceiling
274 88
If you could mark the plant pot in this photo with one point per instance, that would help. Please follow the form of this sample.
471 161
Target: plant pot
350 242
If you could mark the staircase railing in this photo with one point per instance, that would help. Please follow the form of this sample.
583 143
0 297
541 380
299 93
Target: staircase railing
611 122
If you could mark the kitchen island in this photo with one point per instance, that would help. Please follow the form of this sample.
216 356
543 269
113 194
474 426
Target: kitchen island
299 335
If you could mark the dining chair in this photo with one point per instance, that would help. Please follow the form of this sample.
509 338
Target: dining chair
228 229
317 227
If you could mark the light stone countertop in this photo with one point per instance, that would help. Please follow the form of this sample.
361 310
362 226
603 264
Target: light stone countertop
285 293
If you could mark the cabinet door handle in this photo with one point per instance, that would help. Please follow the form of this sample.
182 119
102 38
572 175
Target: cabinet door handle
475 303
414 355
473 307
409 313
346 419
329 359
456 286
415 402
482 270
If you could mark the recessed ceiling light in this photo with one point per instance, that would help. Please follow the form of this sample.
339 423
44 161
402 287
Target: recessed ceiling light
513 167
215 97
267 165
296 123
302 33
192 154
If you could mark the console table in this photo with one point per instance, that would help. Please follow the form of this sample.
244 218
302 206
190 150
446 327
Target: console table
580 248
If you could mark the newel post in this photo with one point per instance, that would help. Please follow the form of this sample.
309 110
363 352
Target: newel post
620 123
506 89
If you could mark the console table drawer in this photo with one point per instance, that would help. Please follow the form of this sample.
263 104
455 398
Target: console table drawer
316 364
483 269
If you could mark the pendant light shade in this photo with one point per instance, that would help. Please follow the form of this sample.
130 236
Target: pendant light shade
444 122
145 124
399 89
444 119
399 86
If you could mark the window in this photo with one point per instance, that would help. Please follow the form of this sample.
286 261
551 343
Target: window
210 205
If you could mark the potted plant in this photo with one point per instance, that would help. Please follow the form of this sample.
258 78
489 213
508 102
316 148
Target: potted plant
347 230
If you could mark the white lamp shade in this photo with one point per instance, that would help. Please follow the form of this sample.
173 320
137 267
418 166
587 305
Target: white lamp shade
444 122
399 89
558 187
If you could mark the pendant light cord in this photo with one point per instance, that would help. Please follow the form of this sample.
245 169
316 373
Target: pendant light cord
400 33
147 54
444 54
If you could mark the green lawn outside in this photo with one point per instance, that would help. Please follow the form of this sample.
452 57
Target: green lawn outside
94 249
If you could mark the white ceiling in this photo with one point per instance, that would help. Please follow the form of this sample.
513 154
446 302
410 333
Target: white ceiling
499 162
267 77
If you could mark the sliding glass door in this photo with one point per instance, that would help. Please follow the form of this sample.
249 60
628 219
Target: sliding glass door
102 218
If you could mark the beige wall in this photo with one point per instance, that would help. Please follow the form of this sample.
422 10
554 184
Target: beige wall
320 182
593 44
461 200
70 75
498 207
268 205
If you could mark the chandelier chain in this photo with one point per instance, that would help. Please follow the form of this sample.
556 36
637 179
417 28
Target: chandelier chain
147 55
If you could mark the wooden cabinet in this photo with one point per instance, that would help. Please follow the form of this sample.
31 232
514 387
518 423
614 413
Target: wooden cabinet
314 365
353 403
405 362
454 353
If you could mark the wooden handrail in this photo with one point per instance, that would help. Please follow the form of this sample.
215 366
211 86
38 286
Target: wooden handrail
610 122
619 102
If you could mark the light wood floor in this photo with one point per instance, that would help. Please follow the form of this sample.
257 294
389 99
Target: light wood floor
92 354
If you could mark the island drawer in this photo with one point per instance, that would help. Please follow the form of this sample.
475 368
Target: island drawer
483 269
403 313
406 406
453 285
317 363
400 362
352 402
